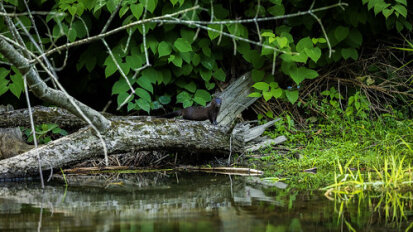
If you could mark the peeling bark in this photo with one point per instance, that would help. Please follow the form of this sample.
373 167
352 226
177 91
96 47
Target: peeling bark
123 136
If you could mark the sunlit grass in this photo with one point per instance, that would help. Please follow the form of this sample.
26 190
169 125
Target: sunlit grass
395 174
365 150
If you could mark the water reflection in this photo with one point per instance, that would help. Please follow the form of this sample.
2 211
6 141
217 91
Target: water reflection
170 202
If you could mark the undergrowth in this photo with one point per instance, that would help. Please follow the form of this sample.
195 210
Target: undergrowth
344 135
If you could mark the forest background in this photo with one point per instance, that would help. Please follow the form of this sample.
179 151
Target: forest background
341 65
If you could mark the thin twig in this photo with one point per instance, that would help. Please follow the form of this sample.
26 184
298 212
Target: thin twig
114 31
111 18
32 13
34 24
118 66
324 32
26 93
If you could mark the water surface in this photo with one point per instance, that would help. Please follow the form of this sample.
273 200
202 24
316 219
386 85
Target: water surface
178 202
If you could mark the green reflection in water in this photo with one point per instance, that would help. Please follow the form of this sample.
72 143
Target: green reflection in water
180 202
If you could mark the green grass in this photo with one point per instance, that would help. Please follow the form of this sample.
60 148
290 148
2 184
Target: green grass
367 143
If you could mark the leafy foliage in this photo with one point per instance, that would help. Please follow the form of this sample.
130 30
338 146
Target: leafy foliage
44 133
186 65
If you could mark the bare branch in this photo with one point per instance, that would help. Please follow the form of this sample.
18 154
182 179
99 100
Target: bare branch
41 90
324 32
26 93
32 13
114 31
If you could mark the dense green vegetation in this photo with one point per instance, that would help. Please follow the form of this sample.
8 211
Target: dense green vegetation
181 60
187 65
345 143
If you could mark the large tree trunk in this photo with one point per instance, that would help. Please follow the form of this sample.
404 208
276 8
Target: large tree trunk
140 134
123 136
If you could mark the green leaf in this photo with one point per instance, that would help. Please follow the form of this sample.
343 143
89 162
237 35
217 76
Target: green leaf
266 51
257 75
137 10
302 57
267 34
151 4
212 34
155 105
177 61
274 85
143 104
153 44
206 51
356 37
202 97
187 103
80 28
205 74
182 45
191 86
143 94
145 83
387 12
152 75
119 87
123 11
196 59
314 53
182 97
164 100
267 95
3 86
110 67
276 10
72 34
134 62
349 53
219 74
166 76
186 56
255 94
276 92
164 49
122 97
72 10
341 33
3 73
292 96
401 9
208 63
125 68
282 42
173 2
301 73
209 85
404 2
304 43
17 86
378 7
130 106
261 86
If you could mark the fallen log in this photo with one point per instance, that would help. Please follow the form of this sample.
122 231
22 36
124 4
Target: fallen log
144 134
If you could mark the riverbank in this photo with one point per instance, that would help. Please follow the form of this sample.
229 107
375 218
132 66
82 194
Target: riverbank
313 156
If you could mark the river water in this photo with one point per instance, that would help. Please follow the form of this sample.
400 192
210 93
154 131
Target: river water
171 201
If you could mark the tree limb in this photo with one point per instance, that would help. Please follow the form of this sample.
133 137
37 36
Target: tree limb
42 91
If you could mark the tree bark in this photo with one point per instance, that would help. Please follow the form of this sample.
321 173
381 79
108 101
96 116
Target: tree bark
42 91
123 136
